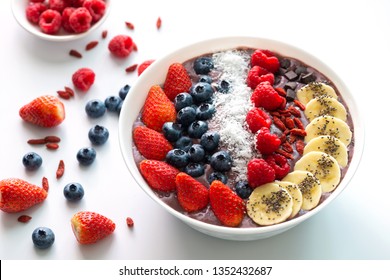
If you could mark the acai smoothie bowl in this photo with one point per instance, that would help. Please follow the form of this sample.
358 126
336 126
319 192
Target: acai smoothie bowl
241 138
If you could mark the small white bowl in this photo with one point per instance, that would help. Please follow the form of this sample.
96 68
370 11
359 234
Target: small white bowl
19 12
155 74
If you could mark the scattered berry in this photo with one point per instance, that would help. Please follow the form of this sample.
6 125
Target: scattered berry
73 192
96 8
203 65
267 97
221 161
121 46
201 92
159 175
217 176
194 169
86 156
257 118
265 59
142 67
184 143
24 219
243 189
176 81
182 100
266 142
210 140
112 103
124 91
172 131
205 111
259 173
150 143
34 11
129 222
197 129
83 78
98 135
95 108
32 161
186 116
80 20
196 153
191 194
43 237
50 21
177 158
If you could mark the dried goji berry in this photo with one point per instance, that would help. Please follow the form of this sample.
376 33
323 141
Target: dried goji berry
279 124
298 132
299 146
289 123
299 123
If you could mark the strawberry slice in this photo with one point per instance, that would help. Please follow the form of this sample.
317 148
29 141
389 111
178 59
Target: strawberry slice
17 195
227 206
159 175
90 227
45 111
191 194
158 109
150 143
176 81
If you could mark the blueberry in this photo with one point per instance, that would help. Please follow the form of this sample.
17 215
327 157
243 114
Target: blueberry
243 189
86 156
182 100
73 192
32 161
95 108
194 169
197 129
43 237
224 86
112 103
186 116
177 158
217 176
205 79
196 153
210 140
201 92
205 111
184 143
172 131
124 91
203 65
221 161
98 135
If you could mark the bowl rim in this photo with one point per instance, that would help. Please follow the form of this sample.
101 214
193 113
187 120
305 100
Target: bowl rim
225 43
34 30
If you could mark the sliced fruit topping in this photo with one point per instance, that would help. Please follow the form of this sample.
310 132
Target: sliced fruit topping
314 90
295 193
323 105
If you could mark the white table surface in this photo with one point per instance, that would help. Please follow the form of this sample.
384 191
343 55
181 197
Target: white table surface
354 39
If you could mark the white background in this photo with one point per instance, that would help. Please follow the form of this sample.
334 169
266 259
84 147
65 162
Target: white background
351 37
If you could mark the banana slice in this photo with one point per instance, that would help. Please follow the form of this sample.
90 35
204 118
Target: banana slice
313 90
269 204
323 166
330 145
309 186
328 125
324 105
295 193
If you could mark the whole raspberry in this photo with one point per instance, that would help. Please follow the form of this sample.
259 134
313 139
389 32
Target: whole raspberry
280 164
65 19
121 45
83 79
265 59
257 118
58 5
80 20
266 142
96 8
50 21
37 1
266 96
259 173
257 75
34 11
142 67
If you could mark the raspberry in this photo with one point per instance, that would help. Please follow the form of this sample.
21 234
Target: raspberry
257 118
259 173
65 19
121 45
37 1
96 8
257 75
266 96
50 21
266 142
265 59
80 20
279 164
83 79
34 11
58 5
142 67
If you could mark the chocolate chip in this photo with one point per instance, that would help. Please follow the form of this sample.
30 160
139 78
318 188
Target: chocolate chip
284 63
291 94
291 75
308 78
300 70
290 85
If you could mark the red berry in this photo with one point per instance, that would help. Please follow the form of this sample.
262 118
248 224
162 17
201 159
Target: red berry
83 79
121 46
257 118
191 194
266 142
37 1
96 8
65 19
259 173
160 175
176 81
80 20
265 59
150 143
34 11
142 67
50 21
280 164
257 75
58 5
266 96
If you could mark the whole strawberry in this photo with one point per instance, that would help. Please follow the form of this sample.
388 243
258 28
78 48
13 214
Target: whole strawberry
191 194
160 175
266 96
158 109
17 195
259 172
227 206
45 111
150 143
90 227
266 142
176 81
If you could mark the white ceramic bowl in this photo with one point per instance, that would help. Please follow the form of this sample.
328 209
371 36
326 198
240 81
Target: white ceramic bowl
155 74
19 11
